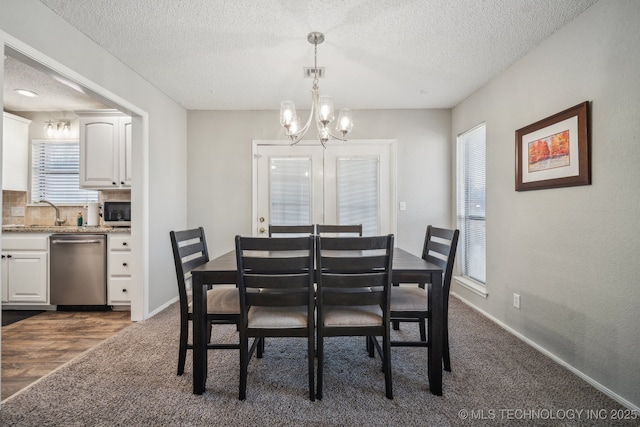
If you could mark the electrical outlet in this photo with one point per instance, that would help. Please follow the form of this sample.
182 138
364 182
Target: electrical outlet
17 211
516 301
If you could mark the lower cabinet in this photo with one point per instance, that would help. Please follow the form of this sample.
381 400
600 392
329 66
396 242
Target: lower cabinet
25 276
119 269
25 268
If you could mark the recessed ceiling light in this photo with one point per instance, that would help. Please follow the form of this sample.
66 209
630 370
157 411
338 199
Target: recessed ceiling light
26 92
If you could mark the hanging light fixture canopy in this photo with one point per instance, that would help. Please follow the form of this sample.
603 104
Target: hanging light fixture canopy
321 109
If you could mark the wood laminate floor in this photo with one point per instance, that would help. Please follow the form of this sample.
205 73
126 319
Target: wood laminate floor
33 347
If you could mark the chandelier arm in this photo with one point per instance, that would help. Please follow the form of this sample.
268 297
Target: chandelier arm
339 138
305 128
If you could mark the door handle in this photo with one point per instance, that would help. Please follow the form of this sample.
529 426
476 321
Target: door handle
262 230
73 242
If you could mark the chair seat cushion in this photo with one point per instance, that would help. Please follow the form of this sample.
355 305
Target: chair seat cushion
222 299
277 317
409 298
367 315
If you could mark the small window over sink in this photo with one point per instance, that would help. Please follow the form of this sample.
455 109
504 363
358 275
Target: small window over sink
55 173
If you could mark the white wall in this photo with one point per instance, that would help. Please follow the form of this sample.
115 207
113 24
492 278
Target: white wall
159 185
220 168
571 253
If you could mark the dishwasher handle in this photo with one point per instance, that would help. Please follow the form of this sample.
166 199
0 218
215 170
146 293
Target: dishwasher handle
57 242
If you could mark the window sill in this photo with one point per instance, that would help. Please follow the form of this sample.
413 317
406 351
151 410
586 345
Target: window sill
472 285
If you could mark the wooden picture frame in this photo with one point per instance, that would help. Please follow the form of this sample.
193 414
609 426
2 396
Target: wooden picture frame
555 152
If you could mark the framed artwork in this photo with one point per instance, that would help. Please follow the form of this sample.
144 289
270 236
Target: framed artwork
554 152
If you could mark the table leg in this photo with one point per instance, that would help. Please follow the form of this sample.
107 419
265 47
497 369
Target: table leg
199 335
435 332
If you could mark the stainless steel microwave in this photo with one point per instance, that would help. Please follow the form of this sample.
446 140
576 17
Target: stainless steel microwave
116 213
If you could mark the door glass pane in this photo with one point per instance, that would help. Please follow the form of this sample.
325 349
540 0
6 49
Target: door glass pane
290 191
359 193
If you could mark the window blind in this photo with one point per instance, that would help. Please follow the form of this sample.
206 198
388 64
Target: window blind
290 191
471 178
359 193
55 173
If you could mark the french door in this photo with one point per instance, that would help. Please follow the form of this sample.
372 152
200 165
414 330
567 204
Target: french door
352 183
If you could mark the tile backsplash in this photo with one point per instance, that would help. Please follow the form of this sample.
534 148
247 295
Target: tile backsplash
46 215
13 199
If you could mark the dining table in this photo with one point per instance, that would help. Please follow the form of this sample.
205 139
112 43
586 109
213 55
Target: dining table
406 268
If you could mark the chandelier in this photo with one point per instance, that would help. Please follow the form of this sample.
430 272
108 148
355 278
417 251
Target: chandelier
321 108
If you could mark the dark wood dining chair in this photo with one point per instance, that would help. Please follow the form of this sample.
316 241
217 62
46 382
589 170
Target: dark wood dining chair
409 303
276 280
223 301
290 229
339 229
352 299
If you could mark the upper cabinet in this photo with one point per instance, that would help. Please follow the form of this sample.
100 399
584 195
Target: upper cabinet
15 152
105 151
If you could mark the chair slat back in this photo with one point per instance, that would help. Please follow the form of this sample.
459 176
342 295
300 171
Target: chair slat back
354 270
189 251
291 229
339 229
440 246
275 272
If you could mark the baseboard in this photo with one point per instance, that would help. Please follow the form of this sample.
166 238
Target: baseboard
162 307
554 357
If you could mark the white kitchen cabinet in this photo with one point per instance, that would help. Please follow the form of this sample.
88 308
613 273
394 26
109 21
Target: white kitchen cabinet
105 151
119 269
25 276
15 152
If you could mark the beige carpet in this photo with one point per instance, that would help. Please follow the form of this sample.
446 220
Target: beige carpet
130 380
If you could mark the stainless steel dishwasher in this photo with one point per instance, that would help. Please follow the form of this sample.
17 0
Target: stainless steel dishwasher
78 270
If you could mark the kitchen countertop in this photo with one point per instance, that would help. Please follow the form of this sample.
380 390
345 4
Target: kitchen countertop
62 229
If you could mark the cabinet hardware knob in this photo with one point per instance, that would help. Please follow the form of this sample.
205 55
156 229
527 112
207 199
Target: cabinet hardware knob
113 183
124 290
121 182
9 256
124 243
124 264
3 256
262 229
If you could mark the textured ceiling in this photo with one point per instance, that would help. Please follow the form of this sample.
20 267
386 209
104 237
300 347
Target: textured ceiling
248 54
52 95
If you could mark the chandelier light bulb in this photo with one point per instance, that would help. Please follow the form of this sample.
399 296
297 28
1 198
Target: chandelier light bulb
294 127
287 113
325 111
323 134
345 121
49 128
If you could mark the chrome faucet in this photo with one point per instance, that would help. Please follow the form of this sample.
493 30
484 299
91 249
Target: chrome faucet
59 221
